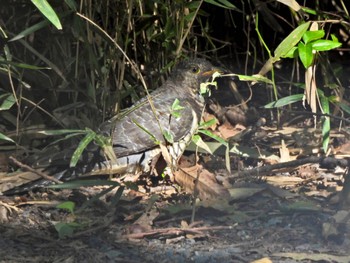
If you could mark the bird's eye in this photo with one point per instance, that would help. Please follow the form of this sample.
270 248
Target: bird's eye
195 70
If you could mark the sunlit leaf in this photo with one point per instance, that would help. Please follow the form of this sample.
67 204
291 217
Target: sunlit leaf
207 124
313 35
89 137
5 138
293 53
325 45
284 101
168 136
222 3
197 140
8 100
305 54
176 109
68 205
46 9
291 40
291 3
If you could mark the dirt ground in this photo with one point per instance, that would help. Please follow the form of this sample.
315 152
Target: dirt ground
293 215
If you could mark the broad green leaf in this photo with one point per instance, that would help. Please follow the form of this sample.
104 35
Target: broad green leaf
46 9
22 65
213 136
305 54
256 77
190 16
72 4
30 30
344 107
309 11
89 137
168 136
8 102
176 109
197 140
222 3
176 105
68 205
146 131
5 138
192 5
291 40
334 38
313 35
66 229
325 45
284 101
207 124
291 3
293 53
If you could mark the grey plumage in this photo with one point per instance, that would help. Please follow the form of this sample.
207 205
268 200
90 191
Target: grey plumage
132 145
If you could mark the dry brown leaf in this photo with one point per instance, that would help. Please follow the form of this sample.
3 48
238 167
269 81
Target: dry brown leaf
207 185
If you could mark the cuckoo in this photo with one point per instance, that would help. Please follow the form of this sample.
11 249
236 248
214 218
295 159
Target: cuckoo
150 127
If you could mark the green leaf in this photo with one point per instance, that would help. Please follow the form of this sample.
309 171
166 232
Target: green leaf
81 147
284 101
313 35
309 11
344 107
5 138
146 131
325 45
22 65
72 4
222 3
68 205
213 136
8 101
30 30
291 3
176 109
192 5
46 9
207 124
293 53
305 54
61 132
291 40
255 77
66 229
334 38
168 136
197 140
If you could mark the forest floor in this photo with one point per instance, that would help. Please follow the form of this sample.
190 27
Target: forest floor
291 214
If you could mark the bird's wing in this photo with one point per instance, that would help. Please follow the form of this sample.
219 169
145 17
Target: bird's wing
141 128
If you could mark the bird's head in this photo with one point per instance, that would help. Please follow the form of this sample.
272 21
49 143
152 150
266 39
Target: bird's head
193 73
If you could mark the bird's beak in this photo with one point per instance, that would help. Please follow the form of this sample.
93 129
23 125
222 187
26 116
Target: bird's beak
210 73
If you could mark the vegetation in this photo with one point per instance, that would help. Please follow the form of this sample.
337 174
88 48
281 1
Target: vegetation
79 63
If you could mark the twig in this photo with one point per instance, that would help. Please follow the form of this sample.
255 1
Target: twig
30 169
260 171
176 231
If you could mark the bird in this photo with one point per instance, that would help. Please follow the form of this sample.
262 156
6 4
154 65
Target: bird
149 128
